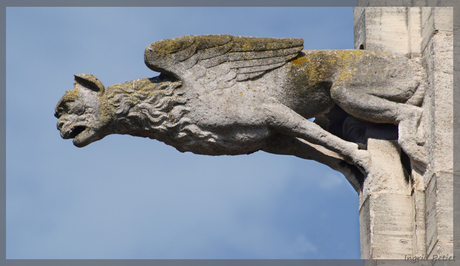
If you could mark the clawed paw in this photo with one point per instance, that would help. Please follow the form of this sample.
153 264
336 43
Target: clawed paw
362 160
410 114
412 137
418 154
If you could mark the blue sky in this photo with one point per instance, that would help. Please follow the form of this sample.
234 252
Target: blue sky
133 198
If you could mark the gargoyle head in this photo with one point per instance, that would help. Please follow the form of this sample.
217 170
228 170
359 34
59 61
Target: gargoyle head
79 111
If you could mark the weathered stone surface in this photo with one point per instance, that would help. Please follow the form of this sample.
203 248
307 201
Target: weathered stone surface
439 102
439 215
388 30
419 210
424 32
222 94
438 57
391 227
386 232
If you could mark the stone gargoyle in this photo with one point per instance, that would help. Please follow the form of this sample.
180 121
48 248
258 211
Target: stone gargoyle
229 95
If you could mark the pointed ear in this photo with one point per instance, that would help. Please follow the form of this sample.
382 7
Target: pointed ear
90 82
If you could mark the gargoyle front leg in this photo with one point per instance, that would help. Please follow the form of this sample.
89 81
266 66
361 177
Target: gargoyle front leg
287 145
285 121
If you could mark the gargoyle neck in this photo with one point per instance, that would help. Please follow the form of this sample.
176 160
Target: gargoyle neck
145 107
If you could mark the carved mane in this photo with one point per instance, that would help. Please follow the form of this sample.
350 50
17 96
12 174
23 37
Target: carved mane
154 108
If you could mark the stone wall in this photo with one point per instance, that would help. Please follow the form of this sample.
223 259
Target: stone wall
412 216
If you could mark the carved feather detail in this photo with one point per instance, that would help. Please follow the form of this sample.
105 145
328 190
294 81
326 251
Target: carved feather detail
220 58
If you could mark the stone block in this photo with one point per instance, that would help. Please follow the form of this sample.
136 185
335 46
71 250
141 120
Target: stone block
435 19
425 32
365 229
387 232
396 30
359 28
387 174
439 214
445 192
438 105
430 215
419 234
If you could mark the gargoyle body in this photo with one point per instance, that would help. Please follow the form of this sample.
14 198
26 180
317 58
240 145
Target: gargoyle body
228 95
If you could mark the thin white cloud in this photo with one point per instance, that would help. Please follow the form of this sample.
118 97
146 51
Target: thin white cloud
331 180
303 245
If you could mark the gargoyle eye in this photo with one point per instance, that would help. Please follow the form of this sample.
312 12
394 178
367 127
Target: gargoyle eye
66 108
78 109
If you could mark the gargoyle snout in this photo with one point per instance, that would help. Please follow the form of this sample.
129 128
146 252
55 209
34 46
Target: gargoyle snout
57 114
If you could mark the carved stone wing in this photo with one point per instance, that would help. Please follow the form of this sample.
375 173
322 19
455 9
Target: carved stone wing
219 59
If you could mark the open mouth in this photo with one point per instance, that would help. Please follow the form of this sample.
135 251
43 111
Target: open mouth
81 132
77 130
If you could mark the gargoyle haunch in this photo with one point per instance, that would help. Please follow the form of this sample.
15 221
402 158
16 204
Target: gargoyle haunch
228 95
